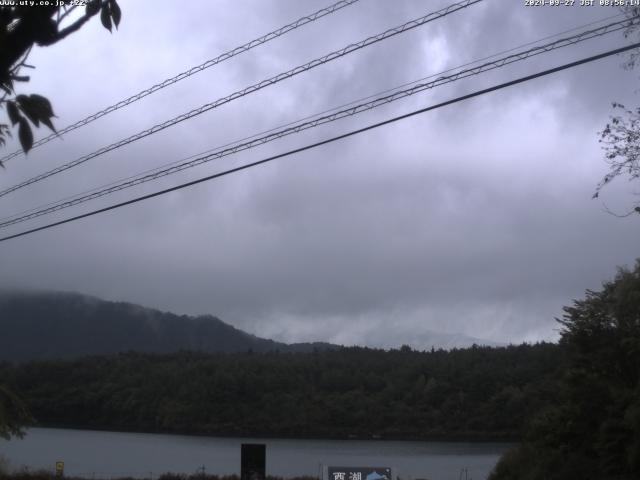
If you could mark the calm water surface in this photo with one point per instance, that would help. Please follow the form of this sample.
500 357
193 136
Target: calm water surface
106 454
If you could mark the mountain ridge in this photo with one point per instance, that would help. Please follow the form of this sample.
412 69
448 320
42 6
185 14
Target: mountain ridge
61 325
48 325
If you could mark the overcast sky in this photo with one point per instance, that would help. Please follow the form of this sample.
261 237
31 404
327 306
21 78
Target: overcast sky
476 218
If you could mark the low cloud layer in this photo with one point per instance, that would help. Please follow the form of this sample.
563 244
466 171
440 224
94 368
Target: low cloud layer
474 219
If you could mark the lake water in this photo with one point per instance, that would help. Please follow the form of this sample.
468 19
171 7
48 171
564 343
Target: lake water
109 454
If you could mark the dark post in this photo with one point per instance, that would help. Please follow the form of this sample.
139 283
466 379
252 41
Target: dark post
253 461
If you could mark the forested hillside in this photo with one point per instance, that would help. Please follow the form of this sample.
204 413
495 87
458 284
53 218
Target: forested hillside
590 428
45 325
480 392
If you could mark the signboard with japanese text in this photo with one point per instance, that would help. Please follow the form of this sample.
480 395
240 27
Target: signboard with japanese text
59 469
359 473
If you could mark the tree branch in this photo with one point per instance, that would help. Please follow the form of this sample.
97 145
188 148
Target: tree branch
75 26
67 12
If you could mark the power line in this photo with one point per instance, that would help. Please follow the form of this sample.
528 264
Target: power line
333 109
353 102
330 140
58 204
301 126
253 88
192 71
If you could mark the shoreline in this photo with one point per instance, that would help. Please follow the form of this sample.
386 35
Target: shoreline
461 438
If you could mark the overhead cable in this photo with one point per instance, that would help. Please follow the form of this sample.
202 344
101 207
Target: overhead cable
328 140
305 125
253 88
192 71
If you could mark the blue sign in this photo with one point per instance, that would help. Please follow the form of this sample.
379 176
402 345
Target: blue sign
359 473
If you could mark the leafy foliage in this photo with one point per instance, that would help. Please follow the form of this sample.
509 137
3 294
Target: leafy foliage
13 414
621 140
592 428
473 393
22 27
621 136
633 14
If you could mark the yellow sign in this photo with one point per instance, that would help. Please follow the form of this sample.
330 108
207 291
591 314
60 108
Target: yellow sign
59 469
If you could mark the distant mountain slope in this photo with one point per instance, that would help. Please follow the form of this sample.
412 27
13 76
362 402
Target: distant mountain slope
54 325
37 326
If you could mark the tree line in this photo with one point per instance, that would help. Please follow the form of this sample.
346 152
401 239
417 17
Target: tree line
574 406
474 393
590 429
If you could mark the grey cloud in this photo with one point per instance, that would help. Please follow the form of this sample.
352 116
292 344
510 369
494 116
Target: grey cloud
475 219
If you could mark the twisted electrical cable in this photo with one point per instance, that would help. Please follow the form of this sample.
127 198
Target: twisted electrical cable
192 71
351 133
253 88
305 125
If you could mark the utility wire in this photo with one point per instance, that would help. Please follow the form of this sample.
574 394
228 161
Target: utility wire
330 140
333 109
192 71
253 88
273 129
296 128
158 172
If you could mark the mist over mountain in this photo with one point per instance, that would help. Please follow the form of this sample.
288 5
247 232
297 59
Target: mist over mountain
430 339
57 325
37 326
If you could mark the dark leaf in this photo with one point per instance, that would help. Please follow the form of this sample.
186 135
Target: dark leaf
105 16
92 7
116 13
49 124
28 109
12 111
43 106
25 135
37 108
